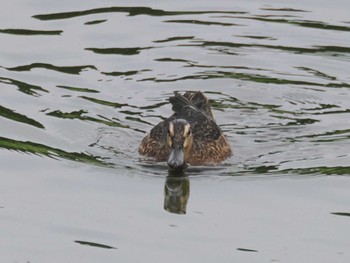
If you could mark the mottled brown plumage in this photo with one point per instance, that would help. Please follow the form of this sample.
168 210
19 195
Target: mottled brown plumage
191 130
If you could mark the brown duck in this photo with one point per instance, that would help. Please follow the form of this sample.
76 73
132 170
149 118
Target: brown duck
189 137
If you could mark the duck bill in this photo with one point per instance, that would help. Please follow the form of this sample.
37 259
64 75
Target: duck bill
176 158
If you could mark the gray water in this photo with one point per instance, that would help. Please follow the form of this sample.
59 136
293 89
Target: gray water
82 83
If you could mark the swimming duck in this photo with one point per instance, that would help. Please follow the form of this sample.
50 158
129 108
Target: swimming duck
189 137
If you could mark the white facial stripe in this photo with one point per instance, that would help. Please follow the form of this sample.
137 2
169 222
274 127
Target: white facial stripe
186 130
171 129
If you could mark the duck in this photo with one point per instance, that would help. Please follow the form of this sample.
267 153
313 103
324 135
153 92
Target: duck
189 137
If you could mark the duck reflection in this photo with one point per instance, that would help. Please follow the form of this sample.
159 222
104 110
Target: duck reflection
176 193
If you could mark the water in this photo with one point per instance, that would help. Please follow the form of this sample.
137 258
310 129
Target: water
82 83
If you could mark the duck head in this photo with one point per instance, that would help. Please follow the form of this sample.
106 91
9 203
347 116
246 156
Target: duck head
180 143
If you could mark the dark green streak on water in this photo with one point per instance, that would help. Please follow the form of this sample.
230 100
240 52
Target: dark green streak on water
283 9
170 39
241 76
255 78
248 77
118 73
173 60
332 112
27 32
117 51
95 22
137 120
337 170
247 250
125 73
23 87
40 149
78 89
327 136
104 102
237 104
92 244
295 121
302 23
67 115
153 106
69 69
258 37
10 114
131 11
297 50
341 214
316 73
79 115
273 170
198 22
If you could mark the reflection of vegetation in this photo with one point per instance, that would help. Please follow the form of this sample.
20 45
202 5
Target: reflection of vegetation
283 9
137 120
68 70
79 115
22 86
41 149
132 11
85 90
104 102
274 170
338 170
248 77
173 60
315 49
154 106
340 214
317 73
67 115
86 243
170 39
264 169
95 22
28 32
258 37
303 23
125 73
118 73
10 114
327 136
247 249
296 121
197 22
236 104
117 51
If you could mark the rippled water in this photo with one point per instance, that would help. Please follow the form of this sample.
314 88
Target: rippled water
75 83
85 81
